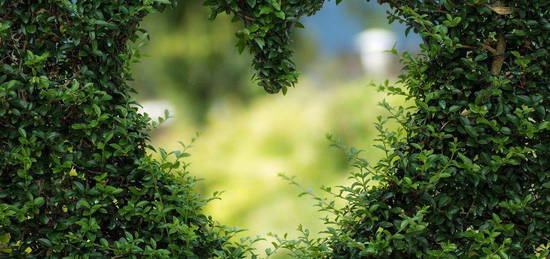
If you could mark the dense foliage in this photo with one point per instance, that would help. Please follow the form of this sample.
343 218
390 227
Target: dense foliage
267 34
75 179
468 173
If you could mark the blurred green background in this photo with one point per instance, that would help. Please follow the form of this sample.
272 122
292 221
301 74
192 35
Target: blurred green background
248 137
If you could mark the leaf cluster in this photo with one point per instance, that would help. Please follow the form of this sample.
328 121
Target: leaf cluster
268 25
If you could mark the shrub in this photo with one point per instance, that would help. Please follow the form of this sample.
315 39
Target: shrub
467 175
75 179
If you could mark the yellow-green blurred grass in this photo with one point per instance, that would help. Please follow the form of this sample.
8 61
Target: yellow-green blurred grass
242 149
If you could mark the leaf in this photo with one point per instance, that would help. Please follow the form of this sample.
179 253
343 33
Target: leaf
46 242
265 10
260 42
108 24
30 28
454 108
79 186
39 201
5 238
276 4
104 242
251 3
506 130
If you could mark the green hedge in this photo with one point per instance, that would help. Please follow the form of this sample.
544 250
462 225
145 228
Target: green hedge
75 179
466 176
468 173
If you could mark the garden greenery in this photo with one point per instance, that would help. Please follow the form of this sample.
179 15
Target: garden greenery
466 175
75 179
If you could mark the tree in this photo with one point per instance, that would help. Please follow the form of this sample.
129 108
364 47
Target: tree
468 173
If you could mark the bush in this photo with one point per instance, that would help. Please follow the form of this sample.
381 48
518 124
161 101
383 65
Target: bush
467 175
75 179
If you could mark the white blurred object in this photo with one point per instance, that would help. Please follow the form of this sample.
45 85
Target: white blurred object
156 108
373 46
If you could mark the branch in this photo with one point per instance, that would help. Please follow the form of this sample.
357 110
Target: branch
499 58
489 48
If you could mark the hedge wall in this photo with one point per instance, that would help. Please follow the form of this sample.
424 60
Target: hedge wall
75 179
466 176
